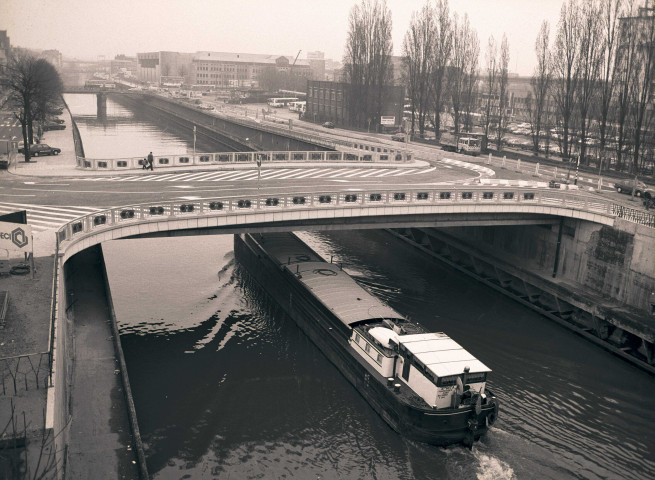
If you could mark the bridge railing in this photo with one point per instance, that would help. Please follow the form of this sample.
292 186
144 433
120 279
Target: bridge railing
223 158
508 196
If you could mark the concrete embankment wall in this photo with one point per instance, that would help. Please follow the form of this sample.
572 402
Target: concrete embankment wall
601 288
258 139
89 409
616 263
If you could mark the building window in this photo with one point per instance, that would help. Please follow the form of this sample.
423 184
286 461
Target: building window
368 348
357 338
379 358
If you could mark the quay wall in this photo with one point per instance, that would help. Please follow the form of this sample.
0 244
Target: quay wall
614 262
602 287
249 137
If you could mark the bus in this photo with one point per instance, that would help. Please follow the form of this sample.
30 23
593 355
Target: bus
281 102
299 106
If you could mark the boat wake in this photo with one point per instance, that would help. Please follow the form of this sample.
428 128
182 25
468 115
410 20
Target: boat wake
492 468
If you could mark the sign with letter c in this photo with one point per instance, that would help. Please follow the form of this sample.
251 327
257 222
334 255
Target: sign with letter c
15 236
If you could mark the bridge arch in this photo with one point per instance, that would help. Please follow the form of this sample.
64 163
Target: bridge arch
448 206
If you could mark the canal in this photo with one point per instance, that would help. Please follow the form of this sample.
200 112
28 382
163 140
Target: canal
227 386
129 132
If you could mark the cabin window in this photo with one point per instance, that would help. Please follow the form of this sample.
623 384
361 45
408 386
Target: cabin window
357 338
476 377
368 348
379 358
447 381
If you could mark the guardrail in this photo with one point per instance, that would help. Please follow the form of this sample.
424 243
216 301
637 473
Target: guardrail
221 206
226 158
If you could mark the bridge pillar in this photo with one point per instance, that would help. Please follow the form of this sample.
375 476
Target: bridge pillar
102 105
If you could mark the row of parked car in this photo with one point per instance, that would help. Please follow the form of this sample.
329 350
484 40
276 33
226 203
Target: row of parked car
41 149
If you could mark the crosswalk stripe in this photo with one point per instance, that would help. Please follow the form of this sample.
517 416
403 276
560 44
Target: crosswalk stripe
281 174
374 173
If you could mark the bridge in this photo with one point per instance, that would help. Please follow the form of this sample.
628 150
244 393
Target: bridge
360 209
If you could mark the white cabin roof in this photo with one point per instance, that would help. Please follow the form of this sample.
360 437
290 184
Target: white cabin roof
383 335
441 355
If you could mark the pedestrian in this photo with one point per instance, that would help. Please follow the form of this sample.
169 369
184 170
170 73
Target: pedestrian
144 164
151 160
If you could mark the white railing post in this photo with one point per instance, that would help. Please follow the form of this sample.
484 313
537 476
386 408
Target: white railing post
536 170
504 159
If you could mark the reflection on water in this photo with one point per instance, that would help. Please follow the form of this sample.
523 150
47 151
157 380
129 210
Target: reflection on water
129 133
226 385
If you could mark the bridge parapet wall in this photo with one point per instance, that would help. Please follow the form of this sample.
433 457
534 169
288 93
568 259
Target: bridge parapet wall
243 158
303 208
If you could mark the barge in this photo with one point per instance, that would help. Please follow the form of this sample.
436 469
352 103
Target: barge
423 384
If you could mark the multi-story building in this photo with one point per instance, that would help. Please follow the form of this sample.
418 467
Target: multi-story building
5 47
223 70
123 65
316 62
333 102
53 57
151 66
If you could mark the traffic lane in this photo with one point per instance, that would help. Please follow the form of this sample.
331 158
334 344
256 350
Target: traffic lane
82 191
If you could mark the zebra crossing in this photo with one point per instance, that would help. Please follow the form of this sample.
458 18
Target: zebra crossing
277 174
46 217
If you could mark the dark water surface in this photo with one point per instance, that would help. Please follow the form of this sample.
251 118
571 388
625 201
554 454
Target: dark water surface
227 387
127 132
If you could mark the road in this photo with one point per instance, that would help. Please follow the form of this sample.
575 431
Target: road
53 201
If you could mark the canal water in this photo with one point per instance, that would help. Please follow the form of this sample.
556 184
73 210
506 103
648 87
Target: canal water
129 132
226 386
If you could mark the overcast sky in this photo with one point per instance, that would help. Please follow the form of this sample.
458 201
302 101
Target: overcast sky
88 28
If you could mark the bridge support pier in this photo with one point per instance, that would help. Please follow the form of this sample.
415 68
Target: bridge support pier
102 105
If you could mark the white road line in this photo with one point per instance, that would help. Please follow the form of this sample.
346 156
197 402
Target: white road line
345 171
327 173
309 173
203 177
376 172
405 172
357 172
161 178
278 173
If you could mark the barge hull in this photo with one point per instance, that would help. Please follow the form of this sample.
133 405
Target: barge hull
433 426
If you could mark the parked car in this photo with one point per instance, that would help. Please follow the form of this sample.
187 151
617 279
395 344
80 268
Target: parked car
53 126
328 125
57 120
398 137
39 149
640 188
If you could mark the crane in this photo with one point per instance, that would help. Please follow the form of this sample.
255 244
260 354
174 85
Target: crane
296 59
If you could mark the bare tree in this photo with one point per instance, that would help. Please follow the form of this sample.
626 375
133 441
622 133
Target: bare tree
540 85
589 59
490 84
611 10
566 72
418 57
465 49
367 59
442 52
638 35
32 85
471 80
503 77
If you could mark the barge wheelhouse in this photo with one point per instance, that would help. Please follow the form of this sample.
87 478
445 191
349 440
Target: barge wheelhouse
423 384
